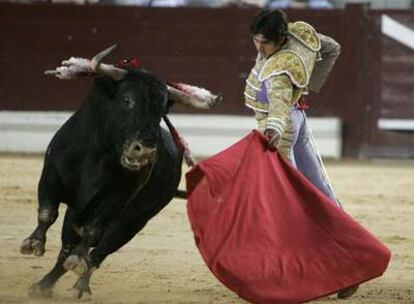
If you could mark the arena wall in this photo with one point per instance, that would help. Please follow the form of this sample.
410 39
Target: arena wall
211 48
31 131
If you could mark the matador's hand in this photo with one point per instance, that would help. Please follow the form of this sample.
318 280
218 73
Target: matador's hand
273 138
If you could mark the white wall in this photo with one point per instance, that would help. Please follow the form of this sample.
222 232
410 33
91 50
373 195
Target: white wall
30 132
381 4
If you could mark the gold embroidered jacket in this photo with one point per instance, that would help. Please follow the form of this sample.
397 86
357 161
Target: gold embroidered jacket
275 84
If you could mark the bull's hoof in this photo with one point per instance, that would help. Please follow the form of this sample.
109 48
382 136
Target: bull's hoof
34 246
81 287
37 291
76 264
80 293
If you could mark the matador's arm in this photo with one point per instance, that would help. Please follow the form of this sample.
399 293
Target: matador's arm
330 50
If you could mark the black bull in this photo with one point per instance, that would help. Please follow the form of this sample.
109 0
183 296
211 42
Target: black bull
114 167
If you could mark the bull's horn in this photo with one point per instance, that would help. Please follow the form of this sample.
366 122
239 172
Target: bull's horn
187 95
107 69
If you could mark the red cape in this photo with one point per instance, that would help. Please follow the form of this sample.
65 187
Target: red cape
269 235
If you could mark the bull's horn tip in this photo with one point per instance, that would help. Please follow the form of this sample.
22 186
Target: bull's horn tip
113 46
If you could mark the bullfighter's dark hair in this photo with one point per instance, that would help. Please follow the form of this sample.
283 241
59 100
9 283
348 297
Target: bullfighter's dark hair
272 24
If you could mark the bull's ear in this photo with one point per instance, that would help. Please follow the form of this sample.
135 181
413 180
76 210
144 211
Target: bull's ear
106 85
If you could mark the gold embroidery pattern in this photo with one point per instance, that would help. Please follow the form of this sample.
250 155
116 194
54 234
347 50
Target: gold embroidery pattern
261 122
280 101
296 95
306 34
254 82
250 94
288 63
255 105
284 147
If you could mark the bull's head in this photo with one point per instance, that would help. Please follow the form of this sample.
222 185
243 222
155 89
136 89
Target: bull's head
139 102
136 101
128 105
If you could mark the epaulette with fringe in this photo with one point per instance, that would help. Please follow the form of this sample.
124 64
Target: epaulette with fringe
286 62
306 34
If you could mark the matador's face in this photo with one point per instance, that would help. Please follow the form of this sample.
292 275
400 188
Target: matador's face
265 47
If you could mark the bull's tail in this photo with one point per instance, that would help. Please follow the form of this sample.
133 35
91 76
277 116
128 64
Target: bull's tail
180 142
181 194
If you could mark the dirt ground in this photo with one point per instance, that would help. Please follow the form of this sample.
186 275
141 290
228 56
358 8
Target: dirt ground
162 264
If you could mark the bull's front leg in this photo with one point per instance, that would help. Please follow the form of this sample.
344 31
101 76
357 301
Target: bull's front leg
103 230
94 223
82 285
78 260
70 239
47 214
110 240
44 287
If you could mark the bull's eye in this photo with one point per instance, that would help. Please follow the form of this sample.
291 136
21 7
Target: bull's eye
128 102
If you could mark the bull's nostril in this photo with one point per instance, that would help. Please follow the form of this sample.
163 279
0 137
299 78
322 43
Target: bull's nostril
136 147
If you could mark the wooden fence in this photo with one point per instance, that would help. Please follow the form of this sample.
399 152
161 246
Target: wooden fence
372 80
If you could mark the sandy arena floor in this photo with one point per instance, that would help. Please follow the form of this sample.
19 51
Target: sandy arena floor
162 264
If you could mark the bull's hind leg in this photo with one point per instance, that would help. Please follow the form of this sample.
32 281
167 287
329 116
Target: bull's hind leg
70 239
47 215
